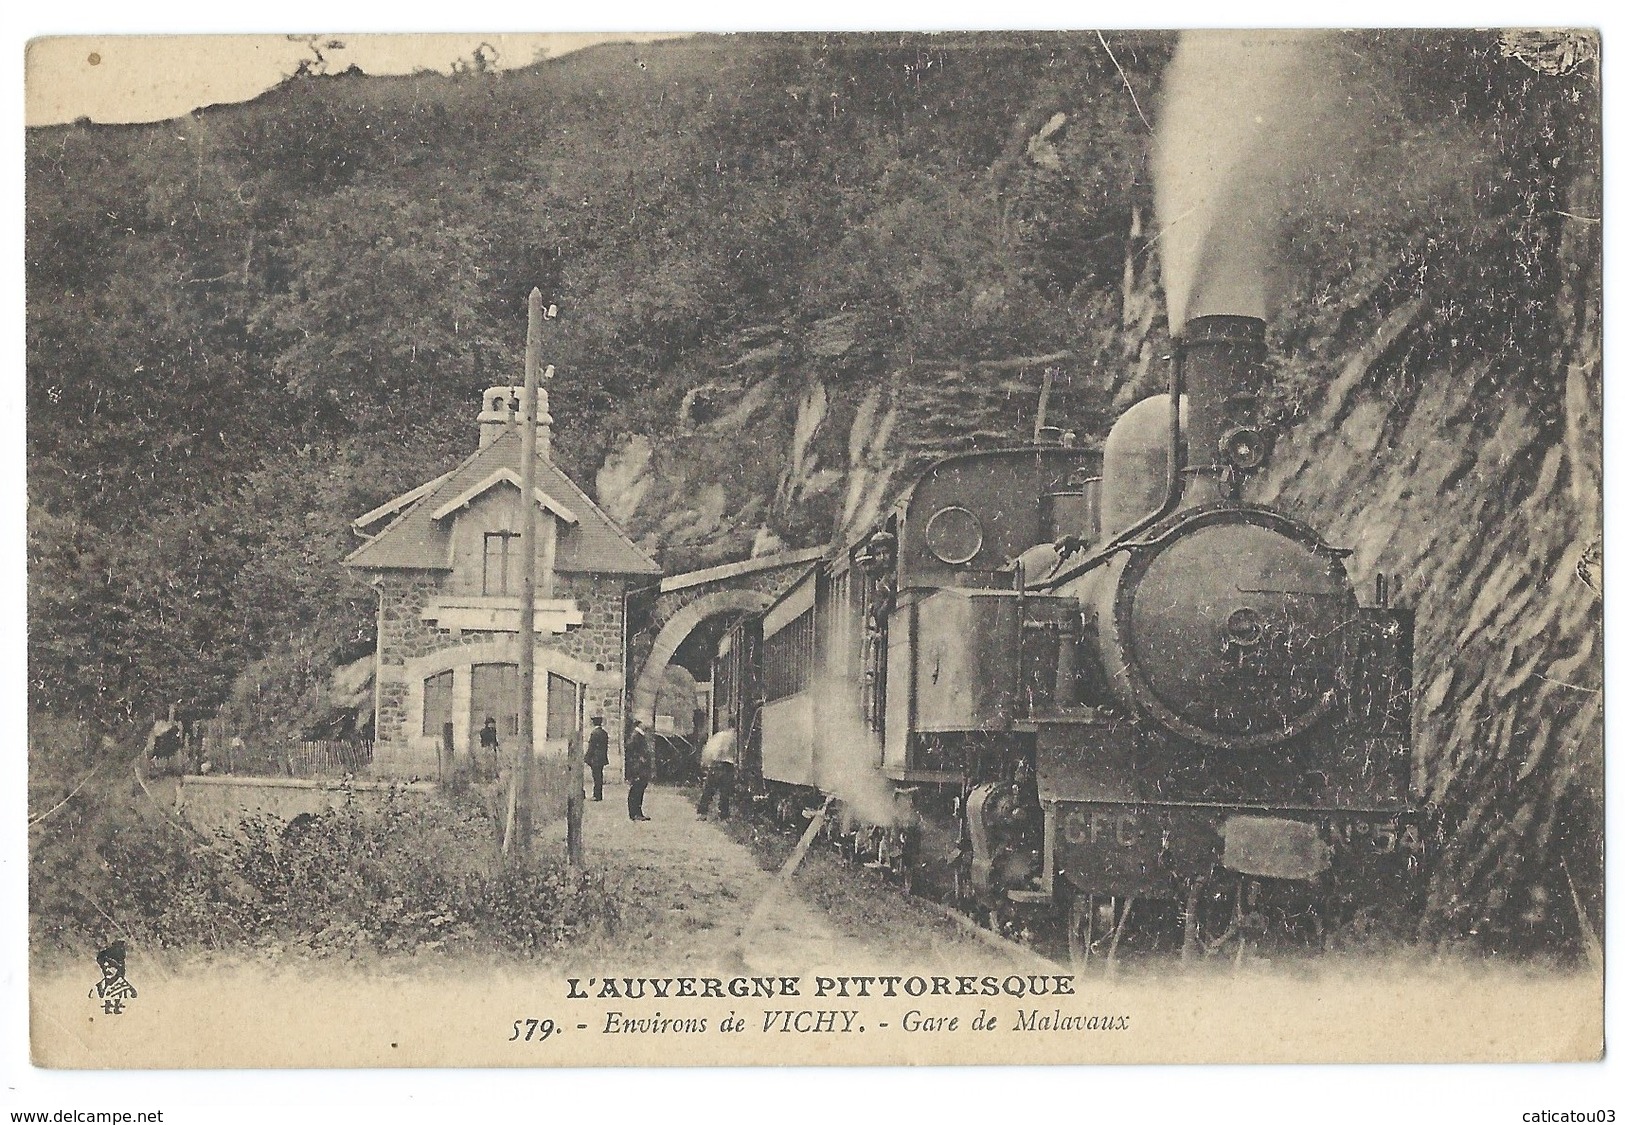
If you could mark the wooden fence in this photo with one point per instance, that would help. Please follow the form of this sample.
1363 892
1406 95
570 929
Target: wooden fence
226 754
328 758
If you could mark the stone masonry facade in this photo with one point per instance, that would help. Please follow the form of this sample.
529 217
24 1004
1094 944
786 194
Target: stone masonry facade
411 649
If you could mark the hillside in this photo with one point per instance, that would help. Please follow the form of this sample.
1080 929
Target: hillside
789 269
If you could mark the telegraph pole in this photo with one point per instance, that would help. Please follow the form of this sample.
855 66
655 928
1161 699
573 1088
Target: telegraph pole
576 794
523 797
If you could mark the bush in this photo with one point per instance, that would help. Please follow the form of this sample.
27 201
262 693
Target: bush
411 876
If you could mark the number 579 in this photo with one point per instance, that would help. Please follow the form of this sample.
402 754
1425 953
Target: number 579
532 1031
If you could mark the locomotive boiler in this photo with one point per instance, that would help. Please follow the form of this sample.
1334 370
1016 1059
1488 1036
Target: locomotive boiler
1102 685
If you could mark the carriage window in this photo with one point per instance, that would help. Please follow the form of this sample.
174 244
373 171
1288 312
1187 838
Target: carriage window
789 658
722 679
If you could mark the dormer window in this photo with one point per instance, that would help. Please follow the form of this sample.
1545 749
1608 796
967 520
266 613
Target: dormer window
501 574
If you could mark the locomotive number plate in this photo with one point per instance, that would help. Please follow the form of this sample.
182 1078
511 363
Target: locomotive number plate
1114 849
1384 837
1104 827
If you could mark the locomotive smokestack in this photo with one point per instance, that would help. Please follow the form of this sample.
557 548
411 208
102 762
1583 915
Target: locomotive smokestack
1222 360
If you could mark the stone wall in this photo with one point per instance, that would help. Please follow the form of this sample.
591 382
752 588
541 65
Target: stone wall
402 632
209 803
598 641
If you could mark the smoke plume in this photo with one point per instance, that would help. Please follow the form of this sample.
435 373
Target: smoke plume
1248 120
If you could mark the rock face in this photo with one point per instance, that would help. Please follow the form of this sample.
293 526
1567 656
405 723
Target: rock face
781 454
1462 456
1487 511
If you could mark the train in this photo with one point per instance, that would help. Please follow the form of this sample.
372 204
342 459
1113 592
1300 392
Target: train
1099 687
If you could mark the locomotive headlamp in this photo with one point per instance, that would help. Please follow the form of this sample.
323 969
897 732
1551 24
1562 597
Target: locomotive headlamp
1243 447
954 534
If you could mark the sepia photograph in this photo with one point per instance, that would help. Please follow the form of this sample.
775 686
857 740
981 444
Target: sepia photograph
814 548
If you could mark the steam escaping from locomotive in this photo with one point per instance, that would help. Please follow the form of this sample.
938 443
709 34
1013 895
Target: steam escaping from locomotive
1247 119
847 753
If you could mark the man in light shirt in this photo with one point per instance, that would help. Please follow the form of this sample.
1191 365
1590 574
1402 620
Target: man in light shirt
718 760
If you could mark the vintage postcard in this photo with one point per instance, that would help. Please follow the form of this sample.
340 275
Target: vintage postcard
586 551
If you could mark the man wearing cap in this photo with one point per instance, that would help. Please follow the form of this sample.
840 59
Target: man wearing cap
598 755
639 767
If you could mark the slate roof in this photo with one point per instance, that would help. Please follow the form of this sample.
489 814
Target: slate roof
415 540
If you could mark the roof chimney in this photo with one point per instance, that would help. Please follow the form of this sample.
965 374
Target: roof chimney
500 411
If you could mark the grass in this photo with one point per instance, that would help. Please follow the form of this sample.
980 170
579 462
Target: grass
412 875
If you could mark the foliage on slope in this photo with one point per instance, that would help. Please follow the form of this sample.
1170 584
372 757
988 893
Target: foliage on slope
251 324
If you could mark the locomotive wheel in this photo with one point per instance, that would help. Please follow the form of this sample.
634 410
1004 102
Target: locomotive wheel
1233 940
1214 923
1191 922
1120 924
1091 919
908 862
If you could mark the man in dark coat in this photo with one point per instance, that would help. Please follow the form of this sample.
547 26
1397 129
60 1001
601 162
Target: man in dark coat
639 767
164 742
598 755
490 744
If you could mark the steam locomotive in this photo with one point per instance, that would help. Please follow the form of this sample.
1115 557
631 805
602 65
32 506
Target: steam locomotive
1099 686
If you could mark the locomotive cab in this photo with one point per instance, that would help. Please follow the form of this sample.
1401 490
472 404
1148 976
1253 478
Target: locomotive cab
970 517
967 652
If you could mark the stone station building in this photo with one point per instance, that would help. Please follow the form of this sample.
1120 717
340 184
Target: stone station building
445 559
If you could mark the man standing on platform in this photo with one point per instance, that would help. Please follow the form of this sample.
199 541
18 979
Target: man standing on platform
718 760
639 768
490 745
598 755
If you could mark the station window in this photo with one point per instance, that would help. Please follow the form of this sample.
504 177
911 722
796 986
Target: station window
562 707
436 703
501 572
494 693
